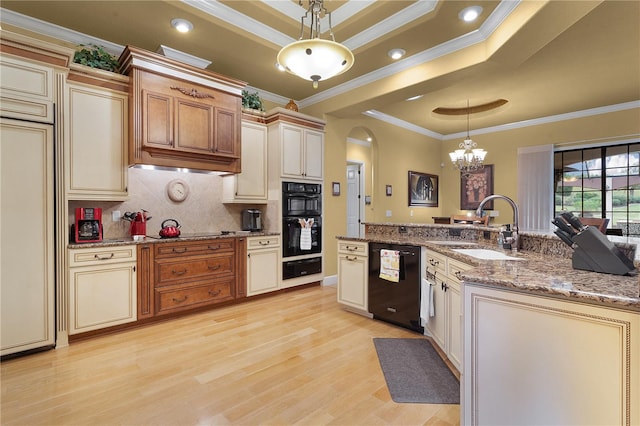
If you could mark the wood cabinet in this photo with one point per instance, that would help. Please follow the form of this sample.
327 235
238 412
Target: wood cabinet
27 249
249 186
547 360
96 123
296 145
445 327
263 261
191 274
102 287
353 278
182 116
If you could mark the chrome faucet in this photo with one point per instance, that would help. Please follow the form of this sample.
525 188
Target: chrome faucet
513 239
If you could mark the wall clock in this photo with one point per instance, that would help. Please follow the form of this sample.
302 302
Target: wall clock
177 190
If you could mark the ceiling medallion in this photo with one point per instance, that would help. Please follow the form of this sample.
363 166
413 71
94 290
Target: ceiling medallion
468 158
315 59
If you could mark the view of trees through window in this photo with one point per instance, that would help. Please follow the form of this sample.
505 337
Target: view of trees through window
600 182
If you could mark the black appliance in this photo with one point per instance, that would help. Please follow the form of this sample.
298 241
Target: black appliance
251 220
301 199
291 236
396 302
301 268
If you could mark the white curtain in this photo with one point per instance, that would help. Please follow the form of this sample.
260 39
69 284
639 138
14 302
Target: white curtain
535 187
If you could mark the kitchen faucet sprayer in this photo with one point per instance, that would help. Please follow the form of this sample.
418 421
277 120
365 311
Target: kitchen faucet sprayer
513 239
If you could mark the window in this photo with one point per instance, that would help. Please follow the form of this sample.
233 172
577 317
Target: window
600 182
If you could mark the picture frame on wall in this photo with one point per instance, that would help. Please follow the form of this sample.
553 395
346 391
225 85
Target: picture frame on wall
476 186
423 189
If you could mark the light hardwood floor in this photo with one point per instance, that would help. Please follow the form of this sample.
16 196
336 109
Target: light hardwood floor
293 358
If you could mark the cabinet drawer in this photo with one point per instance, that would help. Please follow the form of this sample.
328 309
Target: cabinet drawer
255 243
437 263
194 247
455 268
180 269
351 247
102 255
177 298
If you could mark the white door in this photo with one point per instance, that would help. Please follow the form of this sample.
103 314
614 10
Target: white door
27 282
353 200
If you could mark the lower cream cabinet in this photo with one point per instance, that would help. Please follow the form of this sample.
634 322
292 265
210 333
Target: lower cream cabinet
445 327
353 278
102 287
263 260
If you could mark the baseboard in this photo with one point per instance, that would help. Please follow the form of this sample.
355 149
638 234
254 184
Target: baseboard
331 280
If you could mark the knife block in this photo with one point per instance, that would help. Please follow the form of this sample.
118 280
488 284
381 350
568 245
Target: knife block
594 252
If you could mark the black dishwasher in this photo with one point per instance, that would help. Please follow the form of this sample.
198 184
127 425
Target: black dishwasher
396 302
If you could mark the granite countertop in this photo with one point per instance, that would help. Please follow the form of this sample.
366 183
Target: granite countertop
535 273
183 237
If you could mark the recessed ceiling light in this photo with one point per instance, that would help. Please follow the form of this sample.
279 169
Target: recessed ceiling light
396 53
470 14
181 25
413 98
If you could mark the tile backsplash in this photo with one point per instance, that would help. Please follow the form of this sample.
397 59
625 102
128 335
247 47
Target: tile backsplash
202 211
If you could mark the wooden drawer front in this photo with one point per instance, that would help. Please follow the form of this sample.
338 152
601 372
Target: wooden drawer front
455 268
255 243
181 270
194 247
102 256
353 248
436 262
177 298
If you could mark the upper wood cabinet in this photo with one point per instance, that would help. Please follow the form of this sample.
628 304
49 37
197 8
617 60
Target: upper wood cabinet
182 116
96 123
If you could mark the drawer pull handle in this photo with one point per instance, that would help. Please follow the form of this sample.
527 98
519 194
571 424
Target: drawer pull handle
181 272
214 267
351 259
433 262
214 247
182 250
349 248
264 243
184 299
104 257
458 275
214 293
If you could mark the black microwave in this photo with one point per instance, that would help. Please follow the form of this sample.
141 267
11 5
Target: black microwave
301 199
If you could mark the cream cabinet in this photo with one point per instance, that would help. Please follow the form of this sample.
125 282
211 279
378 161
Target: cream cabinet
547 361
249 186
445 327
296 145
353 278
263 264
102 287
96 142
27 285
27 89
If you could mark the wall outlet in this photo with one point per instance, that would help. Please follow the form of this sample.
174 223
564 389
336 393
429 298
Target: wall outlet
410 212
402 230
115 215
388 213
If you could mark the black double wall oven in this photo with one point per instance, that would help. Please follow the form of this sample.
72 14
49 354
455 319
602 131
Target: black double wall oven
301 228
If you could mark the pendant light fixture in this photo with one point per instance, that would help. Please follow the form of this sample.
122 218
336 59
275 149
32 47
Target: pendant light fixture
468 158
315 59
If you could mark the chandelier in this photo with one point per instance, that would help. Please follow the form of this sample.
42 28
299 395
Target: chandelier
468 158
315 59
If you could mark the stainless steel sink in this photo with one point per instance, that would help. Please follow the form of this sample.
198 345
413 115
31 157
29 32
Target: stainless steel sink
486 254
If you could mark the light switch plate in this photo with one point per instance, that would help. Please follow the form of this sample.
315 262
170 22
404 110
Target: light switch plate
115 215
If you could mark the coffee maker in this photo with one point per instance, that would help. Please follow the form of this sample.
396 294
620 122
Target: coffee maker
88 225
251 220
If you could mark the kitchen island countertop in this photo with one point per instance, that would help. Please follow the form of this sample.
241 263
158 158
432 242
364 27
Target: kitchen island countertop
534 273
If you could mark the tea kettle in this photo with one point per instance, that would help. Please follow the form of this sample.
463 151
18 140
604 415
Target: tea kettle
168 231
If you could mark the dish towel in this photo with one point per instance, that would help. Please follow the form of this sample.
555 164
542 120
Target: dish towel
427 309
305 233
390 265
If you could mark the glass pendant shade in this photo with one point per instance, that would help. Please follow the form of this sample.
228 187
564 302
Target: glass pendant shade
315 59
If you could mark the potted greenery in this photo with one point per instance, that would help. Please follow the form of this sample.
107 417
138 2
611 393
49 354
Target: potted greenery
252 101
96 57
